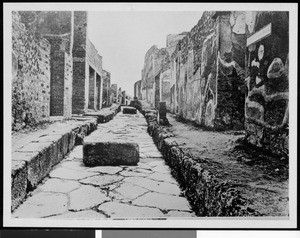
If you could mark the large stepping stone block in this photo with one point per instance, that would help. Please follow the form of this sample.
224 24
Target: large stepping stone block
110 153
129 110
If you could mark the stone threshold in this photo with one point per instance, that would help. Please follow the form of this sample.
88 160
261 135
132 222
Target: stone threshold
207 195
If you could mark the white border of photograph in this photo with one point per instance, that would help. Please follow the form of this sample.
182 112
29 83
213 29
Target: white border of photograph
199 222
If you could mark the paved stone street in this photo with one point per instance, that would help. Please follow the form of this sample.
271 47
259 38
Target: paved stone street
73 190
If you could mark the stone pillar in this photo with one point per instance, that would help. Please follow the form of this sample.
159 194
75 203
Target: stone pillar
79 102
98 101
57 83
92 91
162 110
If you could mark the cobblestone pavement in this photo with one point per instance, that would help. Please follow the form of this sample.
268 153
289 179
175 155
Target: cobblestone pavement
74 191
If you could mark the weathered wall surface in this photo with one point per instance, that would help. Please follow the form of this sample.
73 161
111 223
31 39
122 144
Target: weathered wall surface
138 90
114 92
56 27
106 89
156 62
231 70
267 96
148 75
68 88
52 58
207 71
30 75
93 57
80 67
172 40
165 87
194 65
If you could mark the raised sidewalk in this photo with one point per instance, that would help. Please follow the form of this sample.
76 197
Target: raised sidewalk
35 153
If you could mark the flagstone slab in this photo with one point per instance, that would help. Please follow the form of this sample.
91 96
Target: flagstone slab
86 197
42 205
163 201
121 210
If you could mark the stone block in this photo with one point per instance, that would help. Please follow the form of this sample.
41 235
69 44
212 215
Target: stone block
19 183
72 137
129 110
112 153
40 157
162 110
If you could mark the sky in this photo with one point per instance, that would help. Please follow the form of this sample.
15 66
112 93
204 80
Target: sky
123 38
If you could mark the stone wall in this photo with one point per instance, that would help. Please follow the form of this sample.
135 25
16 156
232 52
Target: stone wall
207 70
156 62
52 58
194 64
172 40
68 85
137 89
80 69
114 92
106 89
93 57
30 74
148 75
56 27
94 62
231 70
165 87
267 94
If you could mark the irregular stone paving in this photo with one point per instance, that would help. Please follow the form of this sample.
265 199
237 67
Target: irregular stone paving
73 191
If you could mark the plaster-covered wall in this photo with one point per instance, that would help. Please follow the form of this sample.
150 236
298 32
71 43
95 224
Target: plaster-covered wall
267 95
193 69
207 71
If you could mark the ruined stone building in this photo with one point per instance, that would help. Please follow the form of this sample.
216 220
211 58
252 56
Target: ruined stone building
155 76
57 71
106 97
114 93
120 95
229 72
137 90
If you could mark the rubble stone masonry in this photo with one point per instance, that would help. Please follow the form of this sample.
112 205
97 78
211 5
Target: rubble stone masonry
30 75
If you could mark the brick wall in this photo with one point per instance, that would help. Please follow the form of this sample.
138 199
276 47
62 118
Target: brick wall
80 69
30 76
267 94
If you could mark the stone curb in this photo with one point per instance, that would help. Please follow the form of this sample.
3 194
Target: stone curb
33 162
207 195
103 117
